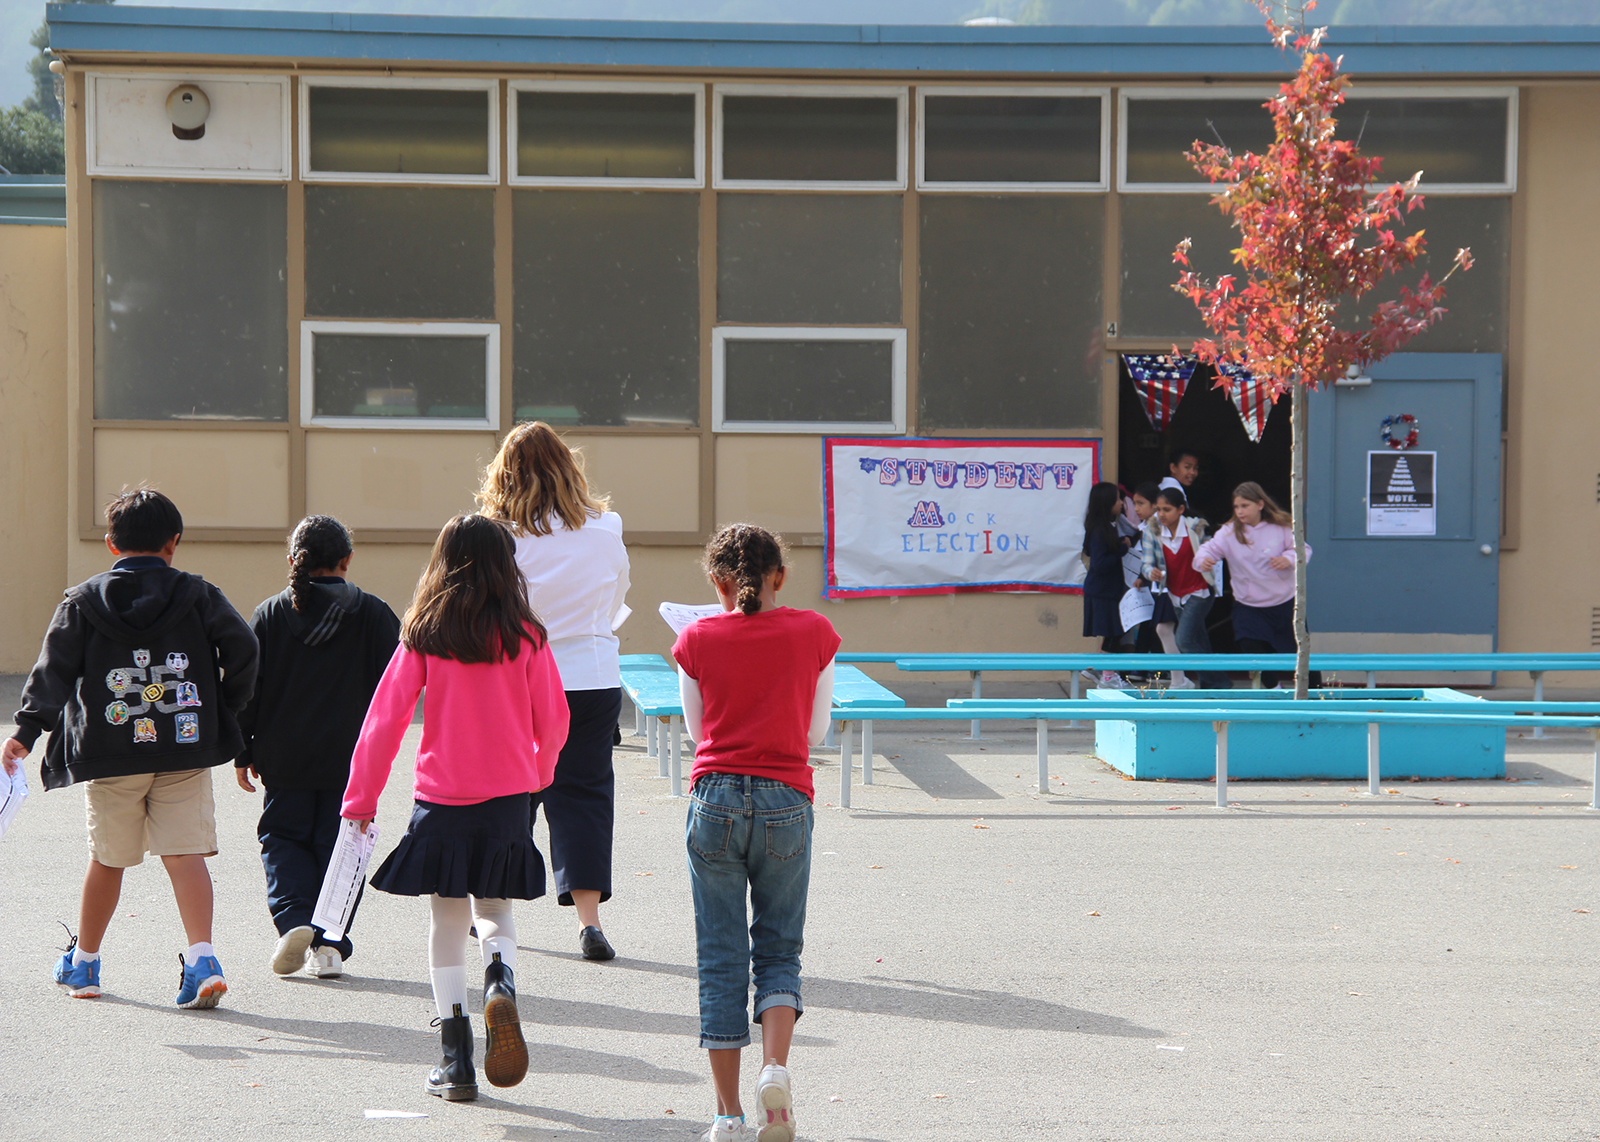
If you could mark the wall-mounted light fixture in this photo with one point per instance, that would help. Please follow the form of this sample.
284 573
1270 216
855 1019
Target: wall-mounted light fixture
187 107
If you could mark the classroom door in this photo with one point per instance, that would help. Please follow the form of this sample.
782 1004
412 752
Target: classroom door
1406 543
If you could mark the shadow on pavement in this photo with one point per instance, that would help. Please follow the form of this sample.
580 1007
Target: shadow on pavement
673 1126
939 775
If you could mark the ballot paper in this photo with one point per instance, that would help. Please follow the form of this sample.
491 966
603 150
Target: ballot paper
12 790
1132 568
680 615
1137 606
347 871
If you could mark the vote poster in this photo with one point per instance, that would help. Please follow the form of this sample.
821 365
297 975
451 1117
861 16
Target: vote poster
942 517
1400 493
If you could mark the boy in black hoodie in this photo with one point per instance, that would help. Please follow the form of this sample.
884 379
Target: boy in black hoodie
324 645
143 671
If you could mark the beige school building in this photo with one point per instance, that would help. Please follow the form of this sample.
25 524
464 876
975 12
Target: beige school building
396 237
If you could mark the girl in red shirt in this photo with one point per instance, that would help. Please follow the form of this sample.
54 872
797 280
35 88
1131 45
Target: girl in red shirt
757 685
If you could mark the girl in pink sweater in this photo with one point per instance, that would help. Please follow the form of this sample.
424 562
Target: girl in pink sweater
1259 548
494 718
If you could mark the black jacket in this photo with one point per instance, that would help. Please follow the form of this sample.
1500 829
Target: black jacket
143 670
318 671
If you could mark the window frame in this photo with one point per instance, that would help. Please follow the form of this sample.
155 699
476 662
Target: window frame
1036 90
900 93
487 331
599 87
722 334
490 88
1392 91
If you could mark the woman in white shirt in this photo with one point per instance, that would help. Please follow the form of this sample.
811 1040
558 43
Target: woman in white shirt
570 551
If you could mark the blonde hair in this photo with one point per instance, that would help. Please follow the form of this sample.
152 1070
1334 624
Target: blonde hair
535 476
1270 511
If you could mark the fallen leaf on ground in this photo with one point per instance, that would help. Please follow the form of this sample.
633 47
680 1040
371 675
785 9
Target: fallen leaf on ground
1091 913
1569 866
940 1096
980 826
874 866
1170 808
644 874
1581 911
834 1098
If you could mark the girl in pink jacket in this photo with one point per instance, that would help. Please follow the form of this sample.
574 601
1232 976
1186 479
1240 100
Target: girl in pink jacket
494 718
1259 549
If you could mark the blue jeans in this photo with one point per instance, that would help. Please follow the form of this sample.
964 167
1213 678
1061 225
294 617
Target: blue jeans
1193 638
747 832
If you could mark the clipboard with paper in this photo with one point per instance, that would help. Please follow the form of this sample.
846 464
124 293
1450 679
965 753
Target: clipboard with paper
347 872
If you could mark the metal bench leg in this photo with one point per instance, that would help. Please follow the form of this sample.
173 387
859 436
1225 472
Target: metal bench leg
846 764
1076 690
677 762
1372 680
829 741
638 722
1372 760
1042 732
977 692
866 752
1221 729
1594 799
663 751
1538 696
652 744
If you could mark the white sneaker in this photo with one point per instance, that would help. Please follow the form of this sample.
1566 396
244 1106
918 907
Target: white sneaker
290 955
727 1130
1182 684
1111 680
325 963
774 1106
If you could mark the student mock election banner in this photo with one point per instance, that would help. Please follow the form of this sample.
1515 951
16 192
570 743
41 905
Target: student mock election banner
942 517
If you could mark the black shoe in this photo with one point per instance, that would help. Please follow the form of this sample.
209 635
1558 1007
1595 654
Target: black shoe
595 945
454 1079
505 1056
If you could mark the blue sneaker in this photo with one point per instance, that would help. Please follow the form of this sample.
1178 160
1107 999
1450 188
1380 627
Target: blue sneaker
82 981
202 984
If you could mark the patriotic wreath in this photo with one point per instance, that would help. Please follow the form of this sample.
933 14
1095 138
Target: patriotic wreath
1406 421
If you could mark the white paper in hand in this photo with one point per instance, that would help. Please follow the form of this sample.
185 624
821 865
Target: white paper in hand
1132 568
347 871
12 790
1136 607
680 615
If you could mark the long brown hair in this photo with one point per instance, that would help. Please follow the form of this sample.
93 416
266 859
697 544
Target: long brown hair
471 604
1270 511
745 555
535 476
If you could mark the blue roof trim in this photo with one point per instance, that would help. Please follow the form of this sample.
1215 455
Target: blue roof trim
1078 51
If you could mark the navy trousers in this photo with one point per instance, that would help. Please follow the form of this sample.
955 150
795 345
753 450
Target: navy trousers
580 802
298 830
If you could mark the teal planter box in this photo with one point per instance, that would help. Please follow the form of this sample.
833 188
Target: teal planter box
1285 751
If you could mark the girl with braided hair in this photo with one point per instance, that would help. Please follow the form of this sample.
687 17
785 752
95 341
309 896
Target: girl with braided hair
324 645
757 684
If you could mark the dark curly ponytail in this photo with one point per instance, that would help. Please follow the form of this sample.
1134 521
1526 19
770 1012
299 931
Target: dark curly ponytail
744 554
318 543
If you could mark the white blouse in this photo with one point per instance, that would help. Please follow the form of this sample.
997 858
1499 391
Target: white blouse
577 581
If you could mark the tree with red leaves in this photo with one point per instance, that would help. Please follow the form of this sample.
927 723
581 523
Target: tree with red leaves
1313 235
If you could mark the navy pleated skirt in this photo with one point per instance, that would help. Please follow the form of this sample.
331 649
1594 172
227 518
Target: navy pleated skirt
1272 625
484 850
1102 617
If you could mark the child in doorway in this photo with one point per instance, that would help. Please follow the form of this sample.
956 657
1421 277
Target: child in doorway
1184 596
1103 585
142 675
1183 469
324 645
757 684
1259 548
494 719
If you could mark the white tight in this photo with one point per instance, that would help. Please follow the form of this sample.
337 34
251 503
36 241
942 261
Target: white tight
450 917
1168 634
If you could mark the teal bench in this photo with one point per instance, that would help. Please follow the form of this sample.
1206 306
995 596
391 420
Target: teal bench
854 691
1577 715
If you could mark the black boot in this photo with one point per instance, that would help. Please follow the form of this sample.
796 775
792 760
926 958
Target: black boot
505 1058
454 1079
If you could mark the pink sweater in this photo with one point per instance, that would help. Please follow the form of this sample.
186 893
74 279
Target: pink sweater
1255 582
488 729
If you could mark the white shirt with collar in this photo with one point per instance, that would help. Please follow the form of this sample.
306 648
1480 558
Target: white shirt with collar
577 581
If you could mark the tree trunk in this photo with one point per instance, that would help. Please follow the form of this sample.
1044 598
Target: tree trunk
1297 506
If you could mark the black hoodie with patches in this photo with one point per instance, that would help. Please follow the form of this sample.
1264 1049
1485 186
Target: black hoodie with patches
319 668
144 670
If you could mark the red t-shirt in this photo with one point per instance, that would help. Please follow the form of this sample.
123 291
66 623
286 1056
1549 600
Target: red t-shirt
758 679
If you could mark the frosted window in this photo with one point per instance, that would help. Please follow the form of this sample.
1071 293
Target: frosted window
389 376
1011 311
788 259
190 301
607 297
1152 226
808 381
1162 131
605 134
399 251
810 138
988 138
392 130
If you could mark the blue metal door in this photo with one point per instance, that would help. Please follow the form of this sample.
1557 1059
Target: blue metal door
1371 589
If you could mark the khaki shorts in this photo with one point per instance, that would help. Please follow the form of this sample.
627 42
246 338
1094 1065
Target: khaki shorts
164 814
